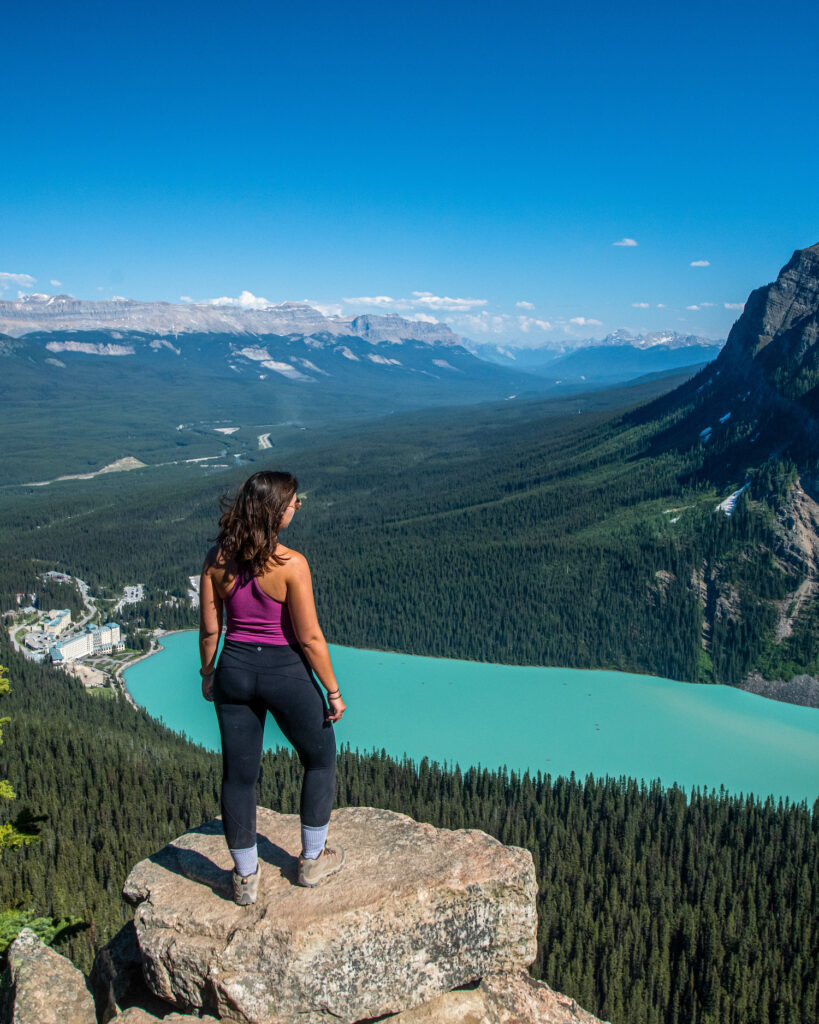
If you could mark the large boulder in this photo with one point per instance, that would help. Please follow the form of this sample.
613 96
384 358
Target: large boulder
46 987
505 997
416 911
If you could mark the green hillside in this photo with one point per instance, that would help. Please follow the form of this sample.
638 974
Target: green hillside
541 532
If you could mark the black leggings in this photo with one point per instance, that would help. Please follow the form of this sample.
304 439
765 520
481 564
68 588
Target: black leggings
252 679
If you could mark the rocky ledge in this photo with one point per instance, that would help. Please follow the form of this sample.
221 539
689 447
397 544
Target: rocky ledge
423 925
416 911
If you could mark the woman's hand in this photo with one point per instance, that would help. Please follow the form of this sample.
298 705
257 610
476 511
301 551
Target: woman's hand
207 686
337 708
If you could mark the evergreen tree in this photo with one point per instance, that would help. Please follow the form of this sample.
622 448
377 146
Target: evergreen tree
13 834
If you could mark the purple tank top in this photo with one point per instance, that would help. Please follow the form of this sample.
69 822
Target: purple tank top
256 618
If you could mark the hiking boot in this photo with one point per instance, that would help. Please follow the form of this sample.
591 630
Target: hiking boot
246 888
329 862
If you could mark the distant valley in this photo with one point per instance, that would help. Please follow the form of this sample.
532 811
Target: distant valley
154 381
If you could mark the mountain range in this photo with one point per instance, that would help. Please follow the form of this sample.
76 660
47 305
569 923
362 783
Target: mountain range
406 362
40 312
618 357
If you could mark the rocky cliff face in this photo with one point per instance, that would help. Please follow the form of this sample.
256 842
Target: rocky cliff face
779 328
760 397
423 926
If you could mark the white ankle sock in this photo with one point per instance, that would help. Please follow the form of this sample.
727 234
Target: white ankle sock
313 840
246 861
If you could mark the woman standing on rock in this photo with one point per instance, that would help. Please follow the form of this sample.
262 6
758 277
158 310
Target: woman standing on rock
272 642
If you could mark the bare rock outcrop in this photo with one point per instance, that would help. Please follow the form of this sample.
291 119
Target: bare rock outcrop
46 988
416 912
801 689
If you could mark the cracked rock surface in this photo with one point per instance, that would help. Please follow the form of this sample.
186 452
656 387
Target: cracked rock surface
416 912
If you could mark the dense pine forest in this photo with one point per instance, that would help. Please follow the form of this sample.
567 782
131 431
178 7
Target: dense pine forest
541 532
654 905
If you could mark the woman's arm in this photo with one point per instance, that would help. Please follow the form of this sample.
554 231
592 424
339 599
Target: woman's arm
210 625
302 608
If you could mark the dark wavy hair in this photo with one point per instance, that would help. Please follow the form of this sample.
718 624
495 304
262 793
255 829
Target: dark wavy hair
250 520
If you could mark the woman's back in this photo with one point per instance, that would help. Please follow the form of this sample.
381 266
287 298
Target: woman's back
254 616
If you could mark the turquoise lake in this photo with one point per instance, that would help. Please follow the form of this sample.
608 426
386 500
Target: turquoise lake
549 719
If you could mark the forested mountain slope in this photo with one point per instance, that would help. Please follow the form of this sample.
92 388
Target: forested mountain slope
752 418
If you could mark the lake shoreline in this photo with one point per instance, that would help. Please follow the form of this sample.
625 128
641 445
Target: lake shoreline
126 665
528 718
802 691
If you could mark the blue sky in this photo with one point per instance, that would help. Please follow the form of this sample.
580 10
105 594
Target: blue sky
474 162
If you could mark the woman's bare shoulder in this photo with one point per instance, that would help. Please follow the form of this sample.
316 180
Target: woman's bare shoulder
295 564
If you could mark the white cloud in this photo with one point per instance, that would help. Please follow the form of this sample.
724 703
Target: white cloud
185 298
583 321
485 322
371 300
419 300
661 305
423 318
641 305
525 305
22 280
692 307
706 305
528 323
627 243
700 263
56 284
325 308
445 302
247 300
734 305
